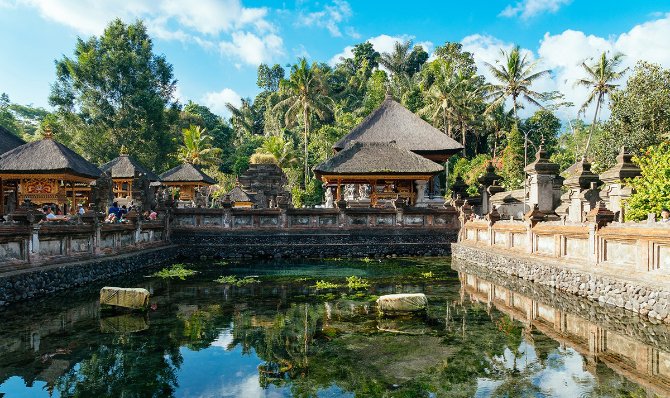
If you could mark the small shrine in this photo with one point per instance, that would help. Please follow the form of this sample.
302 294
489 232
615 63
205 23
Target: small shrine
129 176
45 172
262 183
187 178
239 198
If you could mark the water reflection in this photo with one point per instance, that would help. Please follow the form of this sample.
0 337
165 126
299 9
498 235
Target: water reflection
283 338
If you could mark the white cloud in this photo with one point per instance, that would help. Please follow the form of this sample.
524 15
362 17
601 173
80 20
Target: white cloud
216 101
205 22
564 53
330 17
527 9
251 48
381 43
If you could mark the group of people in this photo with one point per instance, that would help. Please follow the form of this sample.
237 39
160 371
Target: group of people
55 213
117 214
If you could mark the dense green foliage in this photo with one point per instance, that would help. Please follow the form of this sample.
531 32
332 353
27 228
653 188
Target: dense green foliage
652 188
115 91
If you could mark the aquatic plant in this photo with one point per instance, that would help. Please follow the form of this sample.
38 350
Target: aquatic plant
427 275
176 271
222 263
326 285
233 280
367 260
356 282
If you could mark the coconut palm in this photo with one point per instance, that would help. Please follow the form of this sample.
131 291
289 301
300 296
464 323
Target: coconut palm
245 118
441 95
599 78
515 75
197 147
397 60
305 94
498 121
281 149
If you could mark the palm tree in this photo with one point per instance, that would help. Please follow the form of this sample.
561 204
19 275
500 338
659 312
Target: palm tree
197 147
515 76
396 61
599 78
441 95
469 102
245 119
305 94
281 149
498 121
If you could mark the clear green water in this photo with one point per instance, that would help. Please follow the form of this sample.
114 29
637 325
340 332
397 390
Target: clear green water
281 337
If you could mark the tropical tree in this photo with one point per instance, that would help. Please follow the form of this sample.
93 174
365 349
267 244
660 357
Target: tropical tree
197 148
305 93
115 91
282 149
599 78
397 60
515 75
246 120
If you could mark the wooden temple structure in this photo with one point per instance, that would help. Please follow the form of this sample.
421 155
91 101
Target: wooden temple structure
124 170
45 172
392 154
187 178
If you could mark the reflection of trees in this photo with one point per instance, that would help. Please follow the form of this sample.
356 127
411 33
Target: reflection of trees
132 365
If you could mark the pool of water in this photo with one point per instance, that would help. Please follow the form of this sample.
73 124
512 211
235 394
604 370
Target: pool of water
281 336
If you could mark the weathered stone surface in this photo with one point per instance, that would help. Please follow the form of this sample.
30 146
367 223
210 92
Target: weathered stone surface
403 302
132 298
640 297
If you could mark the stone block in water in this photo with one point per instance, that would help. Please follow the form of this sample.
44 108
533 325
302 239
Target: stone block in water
131 298
404 302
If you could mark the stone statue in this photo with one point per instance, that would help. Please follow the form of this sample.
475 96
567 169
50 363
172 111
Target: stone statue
329 198
349 191
364 191
101 192
201 197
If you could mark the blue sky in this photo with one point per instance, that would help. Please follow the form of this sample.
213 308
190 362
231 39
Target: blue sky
215 45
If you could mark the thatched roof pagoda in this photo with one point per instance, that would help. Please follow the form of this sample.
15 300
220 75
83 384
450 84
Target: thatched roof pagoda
8 141
390 171
124 170
46 171
393 122
377 159
127 167
240 198
187 178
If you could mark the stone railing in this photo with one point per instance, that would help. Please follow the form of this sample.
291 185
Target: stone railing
326 219
615 246
26 245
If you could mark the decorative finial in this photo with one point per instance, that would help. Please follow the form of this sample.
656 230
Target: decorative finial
47 134
123 150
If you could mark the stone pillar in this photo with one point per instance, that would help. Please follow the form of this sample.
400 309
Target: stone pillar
541 176
582 195
615 191
486 181
34 243
420 193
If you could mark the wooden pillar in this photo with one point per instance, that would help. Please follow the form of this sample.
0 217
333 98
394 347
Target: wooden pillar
2 199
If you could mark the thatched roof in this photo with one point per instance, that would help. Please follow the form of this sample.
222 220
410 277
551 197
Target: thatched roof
377 158
46 156
238 195
8 141
125 167
393 122
186 172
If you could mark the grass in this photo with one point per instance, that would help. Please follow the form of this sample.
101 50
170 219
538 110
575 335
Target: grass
356 282
176 271
235 281
326 285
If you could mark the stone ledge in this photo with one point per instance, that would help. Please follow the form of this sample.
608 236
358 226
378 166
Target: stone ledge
641 296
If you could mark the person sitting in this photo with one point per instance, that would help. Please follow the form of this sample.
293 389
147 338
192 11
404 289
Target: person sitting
153 215
122 212
80 209
665 215
114 209
50 216
111 218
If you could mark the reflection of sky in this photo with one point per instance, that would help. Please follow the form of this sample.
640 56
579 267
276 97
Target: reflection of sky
217 372
561 375
16 387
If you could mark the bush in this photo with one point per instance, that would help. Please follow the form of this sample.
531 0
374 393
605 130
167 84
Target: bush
652 188
262 158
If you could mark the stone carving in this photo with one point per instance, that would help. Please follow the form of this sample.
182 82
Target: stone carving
329 198
101 192
349 191
364 191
